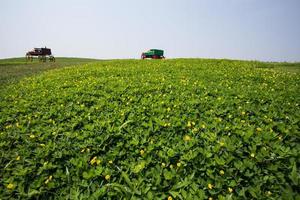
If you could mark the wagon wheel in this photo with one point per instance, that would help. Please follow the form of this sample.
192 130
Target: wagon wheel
51 59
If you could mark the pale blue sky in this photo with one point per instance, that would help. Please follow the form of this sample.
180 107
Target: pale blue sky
267 30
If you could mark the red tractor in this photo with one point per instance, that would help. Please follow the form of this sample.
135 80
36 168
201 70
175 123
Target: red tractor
41 53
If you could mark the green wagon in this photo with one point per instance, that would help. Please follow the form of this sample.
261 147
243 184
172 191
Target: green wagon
153 53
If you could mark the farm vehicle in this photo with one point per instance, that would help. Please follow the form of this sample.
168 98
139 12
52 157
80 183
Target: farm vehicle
154 54
42 53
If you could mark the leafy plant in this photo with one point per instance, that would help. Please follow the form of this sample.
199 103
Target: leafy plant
126 129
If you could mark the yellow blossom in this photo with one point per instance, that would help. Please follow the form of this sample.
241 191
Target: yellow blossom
42 145
171 166
8 126
252 155
258 129
243 113
170 198
48 179
222 172
203 126
94 160
107 177
18 158
189 124
167 124
110 162
230 190
210 186
210 198
187 138
178 164
142 152
163 164
10 186
32 136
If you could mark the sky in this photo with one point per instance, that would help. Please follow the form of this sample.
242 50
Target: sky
266 30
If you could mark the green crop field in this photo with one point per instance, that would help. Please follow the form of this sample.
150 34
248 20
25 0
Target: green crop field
150 129
14 69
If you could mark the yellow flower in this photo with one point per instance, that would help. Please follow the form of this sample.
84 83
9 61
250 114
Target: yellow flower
10 186
42 145
170 198
163 164
252 155
269 193
167 124
187 138
32 136
178 164
98 162
243 113
107 177
230 190
258 129
222 172
142 152
189 124
210 186
8 126
48 179
94 160
210 198
18 158
171 166
203 126
110 162
168 109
